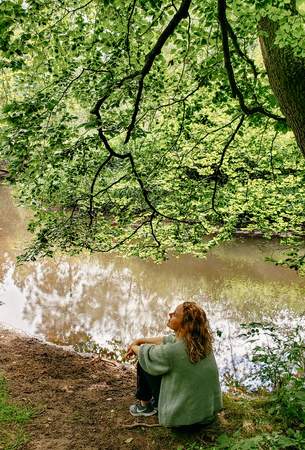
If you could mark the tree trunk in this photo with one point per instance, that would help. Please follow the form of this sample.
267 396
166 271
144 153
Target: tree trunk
287 80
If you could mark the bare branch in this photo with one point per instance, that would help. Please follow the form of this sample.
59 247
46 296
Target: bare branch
141 424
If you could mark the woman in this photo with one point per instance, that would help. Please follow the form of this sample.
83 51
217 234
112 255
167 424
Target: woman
178 373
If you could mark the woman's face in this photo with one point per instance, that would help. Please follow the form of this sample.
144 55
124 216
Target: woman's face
176 318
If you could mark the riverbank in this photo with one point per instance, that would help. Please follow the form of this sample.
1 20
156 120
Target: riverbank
81 403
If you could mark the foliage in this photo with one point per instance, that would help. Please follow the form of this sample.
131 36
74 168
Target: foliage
295 255
119 140
264 441
278 421
281 365
279 353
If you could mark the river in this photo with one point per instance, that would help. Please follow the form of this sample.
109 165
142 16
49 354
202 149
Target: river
103 299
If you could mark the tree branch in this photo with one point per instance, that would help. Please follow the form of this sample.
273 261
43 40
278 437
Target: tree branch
128 155
242 54
63 94
104 163
181 13
118 244
67 13
132 7
153 231
186 52
236 92
95 110
207 134
223 153
109 186
155 20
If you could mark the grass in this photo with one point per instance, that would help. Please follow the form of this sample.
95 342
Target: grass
247 423
12 420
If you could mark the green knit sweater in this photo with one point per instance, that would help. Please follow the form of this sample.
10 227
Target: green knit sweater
190 393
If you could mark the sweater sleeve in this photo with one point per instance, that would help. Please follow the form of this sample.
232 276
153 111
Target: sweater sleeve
155 359
169 339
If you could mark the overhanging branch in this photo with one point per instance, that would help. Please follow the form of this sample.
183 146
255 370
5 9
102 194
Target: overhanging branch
236 92
222 157
181 13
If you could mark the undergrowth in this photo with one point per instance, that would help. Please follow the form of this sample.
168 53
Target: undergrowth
274 417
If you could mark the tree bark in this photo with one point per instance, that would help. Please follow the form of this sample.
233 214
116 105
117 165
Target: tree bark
286 75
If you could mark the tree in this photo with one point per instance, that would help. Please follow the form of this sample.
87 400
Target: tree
150 126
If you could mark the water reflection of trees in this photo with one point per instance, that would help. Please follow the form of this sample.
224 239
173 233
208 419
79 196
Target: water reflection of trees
103 297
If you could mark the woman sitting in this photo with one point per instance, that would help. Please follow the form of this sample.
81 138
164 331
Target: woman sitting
177 374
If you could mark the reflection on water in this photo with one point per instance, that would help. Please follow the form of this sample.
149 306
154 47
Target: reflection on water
98 298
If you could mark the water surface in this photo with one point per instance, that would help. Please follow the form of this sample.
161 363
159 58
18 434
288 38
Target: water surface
98 298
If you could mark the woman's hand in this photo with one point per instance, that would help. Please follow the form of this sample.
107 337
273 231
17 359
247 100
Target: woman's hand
133 348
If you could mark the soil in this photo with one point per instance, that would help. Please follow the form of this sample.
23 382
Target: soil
82 400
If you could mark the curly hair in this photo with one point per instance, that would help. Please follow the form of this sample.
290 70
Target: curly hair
196 331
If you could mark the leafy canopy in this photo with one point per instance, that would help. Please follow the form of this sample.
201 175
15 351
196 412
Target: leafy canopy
121 131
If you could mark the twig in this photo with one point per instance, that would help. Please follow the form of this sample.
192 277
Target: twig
104 163
67 13
186 52
128 155
109 186
100 101
141 424
155 20
132 7
217 171
153 231
63 94
208 133
118 244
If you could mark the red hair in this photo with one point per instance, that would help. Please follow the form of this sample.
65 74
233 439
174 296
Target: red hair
196 331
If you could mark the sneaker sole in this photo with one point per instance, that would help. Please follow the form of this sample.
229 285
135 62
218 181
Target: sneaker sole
144 414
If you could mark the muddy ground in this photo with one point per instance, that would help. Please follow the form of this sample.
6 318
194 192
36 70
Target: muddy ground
82 401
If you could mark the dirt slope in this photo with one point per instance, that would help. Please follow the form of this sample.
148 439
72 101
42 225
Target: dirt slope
83 400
